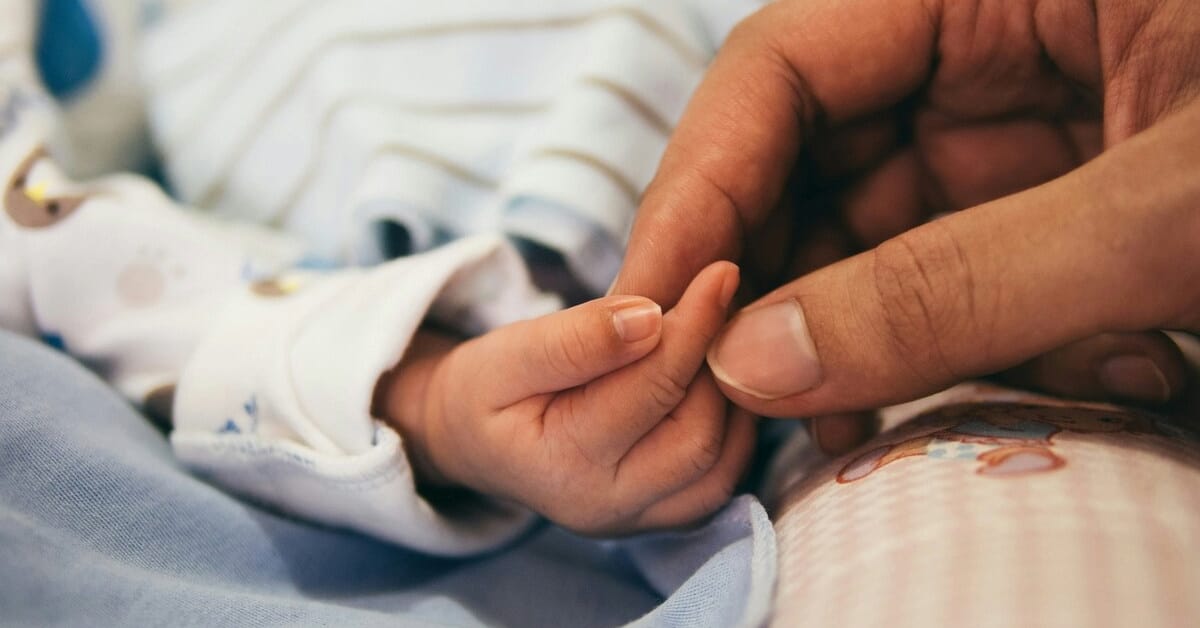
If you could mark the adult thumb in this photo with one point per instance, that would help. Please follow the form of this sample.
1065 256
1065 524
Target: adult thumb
1103 249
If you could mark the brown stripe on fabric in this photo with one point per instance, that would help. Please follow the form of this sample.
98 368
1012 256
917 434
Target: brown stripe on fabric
419 154
635 102
632 191
672 40
415 153
280 213
669 37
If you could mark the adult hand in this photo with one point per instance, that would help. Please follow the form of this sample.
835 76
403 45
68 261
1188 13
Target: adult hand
893 111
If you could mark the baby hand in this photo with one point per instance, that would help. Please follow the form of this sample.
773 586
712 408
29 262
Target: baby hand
592 416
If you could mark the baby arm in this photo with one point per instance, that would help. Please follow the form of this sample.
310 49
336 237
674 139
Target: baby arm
264 370
592 416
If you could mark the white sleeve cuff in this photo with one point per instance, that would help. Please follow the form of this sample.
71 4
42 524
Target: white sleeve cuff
275 403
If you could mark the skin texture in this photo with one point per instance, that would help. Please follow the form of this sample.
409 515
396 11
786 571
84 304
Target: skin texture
1063 135
597 433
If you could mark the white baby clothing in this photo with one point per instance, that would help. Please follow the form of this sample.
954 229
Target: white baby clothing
461 122
541 120
274 367
273 373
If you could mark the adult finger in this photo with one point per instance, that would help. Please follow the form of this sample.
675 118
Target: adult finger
856 146
836 434
887 201
783 72
1137 367
1108 247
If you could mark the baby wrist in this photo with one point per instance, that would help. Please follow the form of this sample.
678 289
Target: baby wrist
405 399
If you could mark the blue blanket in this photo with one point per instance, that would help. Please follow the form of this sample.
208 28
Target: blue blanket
100 525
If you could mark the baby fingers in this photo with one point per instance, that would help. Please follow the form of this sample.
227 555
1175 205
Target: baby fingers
606 417
564 349
681 448
712 490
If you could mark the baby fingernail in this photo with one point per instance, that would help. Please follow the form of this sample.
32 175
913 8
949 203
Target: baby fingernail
1134 377
767 352
638 322
730 285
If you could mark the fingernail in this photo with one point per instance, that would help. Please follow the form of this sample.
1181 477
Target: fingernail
767 352
1134 377
730 285
638 322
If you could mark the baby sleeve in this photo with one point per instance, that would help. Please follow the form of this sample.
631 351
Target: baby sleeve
265 369
271 372
270 368
275 401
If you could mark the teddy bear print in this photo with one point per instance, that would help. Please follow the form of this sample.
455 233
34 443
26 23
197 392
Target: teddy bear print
1008 439
27 202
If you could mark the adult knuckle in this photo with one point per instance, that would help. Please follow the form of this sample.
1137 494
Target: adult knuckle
928 297
1142 39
